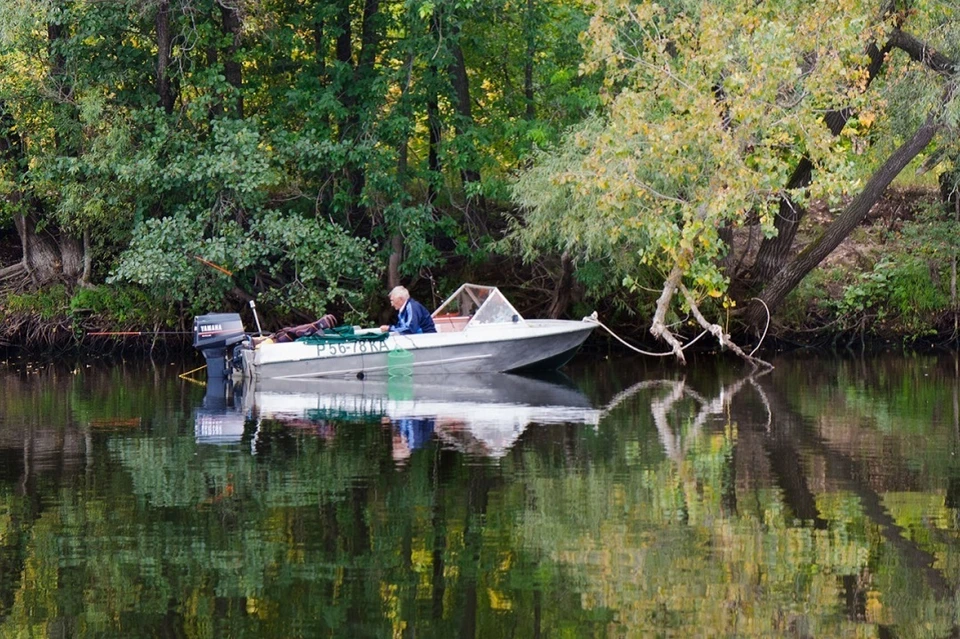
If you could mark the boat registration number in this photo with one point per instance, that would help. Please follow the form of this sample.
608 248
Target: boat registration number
351 348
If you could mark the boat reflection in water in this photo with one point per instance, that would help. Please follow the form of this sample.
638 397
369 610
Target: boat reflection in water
481 415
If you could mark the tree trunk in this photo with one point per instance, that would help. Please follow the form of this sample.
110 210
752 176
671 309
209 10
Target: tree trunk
396 240
563 292
393 266
433 152
785 279
345 36
58 62
469 174
953 270
775 251
71 257
87 259
370 36
41 255
216 104
922 53
658 327
164 50
232 70
808 259
353 92
11 144
320 47
529 27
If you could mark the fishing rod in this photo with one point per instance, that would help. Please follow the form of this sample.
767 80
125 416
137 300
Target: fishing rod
253 308
127 333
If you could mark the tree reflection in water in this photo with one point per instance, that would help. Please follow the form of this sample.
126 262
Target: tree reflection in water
816 500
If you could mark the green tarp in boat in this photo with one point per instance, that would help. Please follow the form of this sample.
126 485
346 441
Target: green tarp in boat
342 334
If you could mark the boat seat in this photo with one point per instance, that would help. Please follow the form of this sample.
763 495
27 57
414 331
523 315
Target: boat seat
450 323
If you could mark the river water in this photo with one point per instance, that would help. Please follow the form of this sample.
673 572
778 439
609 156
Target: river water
623 498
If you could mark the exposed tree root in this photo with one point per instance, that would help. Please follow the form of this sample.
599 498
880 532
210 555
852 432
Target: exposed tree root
717 331
660 329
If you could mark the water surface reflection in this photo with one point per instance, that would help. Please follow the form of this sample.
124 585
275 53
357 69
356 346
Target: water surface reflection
481 415
628 499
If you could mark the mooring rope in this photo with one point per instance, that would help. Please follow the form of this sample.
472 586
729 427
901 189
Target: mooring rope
186 376
767 309
593 318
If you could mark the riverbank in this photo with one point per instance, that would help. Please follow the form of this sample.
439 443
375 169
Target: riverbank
892 282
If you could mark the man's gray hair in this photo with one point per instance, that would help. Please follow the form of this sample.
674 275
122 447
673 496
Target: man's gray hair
399 291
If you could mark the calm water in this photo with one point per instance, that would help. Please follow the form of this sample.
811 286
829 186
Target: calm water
627 499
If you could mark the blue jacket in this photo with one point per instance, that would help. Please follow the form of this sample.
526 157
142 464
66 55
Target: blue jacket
413 318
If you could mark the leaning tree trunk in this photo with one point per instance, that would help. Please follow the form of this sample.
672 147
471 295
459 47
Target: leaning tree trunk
791 275
775 251
808 259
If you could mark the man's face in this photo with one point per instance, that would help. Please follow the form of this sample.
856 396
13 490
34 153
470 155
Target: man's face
397 301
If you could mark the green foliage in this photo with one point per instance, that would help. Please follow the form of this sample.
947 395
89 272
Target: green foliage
320 262
902 294
303 134
901 291
49 303
328 265
120 306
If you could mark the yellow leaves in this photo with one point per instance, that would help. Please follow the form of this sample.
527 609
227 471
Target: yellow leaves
499 601
866 119
873 609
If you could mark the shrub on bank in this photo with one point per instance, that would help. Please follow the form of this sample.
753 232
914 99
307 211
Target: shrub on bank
898 288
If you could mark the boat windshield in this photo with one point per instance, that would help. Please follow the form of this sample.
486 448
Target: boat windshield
482 304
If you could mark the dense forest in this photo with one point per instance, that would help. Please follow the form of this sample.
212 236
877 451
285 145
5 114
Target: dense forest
680 166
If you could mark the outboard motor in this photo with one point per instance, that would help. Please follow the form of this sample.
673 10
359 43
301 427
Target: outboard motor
213 335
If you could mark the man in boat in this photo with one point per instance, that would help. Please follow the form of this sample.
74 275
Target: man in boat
292 333
412 316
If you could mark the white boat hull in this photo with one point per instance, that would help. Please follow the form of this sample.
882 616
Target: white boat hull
493 348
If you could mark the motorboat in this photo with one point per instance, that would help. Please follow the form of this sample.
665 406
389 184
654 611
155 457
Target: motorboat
480 415
478 331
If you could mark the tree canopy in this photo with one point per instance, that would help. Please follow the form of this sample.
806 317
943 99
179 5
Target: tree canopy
709 109
298 145
319 150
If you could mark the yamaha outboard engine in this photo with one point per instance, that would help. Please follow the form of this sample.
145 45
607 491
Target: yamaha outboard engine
213 335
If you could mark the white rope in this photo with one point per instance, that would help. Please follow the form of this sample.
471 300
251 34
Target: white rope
764 328
593 319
